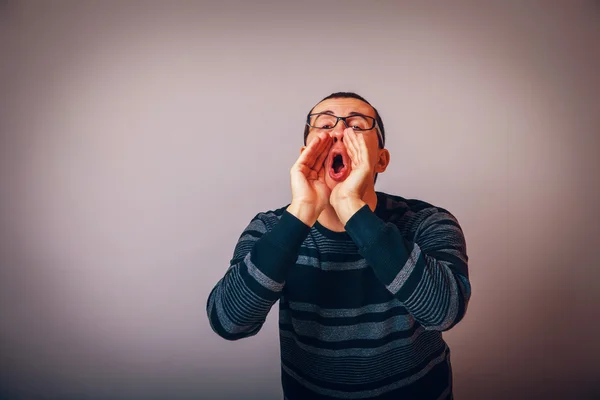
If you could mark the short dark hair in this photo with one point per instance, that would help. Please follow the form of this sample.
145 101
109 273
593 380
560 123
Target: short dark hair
350 95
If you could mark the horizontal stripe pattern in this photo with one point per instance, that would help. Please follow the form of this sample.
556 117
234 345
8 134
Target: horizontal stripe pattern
344 332
368 393
290 338
332 265
442 290
345 312
238 305
359 369
357 331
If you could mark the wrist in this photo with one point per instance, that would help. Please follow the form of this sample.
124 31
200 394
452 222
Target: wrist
304 212
346 207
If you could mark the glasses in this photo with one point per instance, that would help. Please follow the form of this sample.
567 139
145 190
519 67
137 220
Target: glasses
357 122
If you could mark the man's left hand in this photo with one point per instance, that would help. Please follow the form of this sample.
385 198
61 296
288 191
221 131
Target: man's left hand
347 196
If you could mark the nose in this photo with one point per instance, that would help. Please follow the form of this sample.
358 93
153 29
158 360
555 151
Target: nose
338 132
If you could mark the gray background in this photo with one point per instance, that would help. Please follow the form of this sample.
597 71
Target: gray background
138 140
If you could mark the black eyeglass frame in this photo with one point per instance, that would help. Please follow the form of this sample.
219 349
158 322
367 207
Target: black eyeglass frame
338 119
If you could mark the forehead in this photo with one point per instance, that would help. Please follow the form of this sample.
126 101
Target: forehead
344 106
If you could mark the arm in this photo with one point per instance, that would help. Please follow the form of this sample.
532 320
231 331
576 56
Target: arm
239 303
429 275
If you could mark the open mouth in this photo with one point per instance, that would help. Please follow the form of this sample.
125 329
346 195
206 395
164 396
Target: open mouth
338 163
339 169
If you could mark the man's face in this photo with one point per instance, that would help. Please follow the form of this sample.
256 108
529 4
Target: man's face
337 163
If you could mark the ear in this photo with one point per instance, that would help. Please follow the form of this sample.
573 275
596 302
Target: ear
383 161
302 149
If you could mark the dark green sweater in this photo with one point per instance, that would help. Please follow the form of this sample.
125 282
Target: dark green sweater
361 312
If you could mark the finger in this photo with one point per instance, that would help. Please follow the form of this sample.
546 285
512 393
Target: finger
324 143
309 155
351 146
321 174
320 162
362 146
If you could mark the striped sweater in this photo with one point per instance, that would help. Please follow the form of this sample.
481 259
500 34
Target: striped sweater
361 312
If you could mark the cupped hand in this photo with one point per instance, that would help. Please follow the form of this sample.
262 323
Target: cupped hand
361 175
310 193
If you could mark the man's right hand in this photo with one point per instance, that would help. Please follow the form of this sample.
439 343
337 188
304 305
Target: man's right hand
310 193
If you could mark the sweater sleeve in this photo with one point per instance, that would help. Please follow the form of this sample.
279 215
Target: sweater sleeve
428 275
238 305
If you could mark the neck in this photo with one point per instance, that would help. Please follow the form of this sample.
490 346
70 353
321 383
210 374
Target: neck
330 220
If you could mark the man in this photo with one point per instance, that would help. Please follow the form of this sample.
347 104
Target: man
366 281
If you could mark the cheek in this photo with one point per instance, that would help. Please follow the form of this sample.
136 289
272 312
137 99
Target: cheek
373 158
373 147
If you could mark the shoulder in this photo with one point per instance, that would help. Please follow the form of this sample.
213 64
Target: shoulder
269 218
391 202
431 227
412 212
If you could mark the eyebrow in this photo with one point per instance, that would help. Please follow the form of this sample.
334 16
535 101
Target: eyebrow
325 112
357 113
353 113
